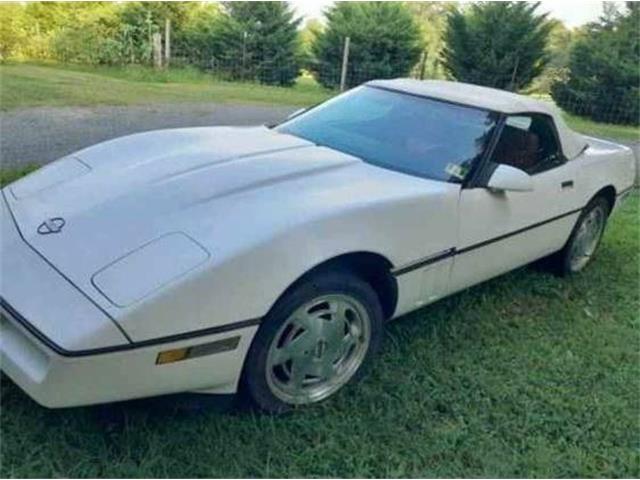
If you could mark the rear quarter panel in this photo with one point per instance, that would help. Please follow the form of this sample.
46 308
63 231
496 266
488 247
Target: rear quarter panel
604 164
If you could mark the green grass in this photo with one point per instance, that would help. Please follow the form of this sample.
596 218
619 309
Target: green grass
607 130
9 175
26 85
528 375
45 84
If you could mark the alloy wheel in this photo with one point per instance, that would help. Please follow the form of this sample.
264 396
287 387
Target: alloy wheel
587 238
318 349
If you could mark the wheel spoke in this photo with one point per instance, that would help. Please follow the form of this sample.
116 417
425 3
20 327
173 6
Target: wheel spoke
336 332
312 324
347 343
337 326
292 350
317 368
299 368
327 369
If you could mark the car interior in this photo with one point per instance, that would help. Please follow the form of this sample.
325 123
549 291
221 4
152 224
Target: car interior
528 143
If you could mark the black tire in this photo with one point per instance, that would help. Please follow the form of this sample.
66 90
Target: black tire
255 386
561 262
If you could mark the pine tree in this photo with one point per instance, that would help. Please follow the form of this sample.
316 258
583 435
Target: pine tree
260 39
385 42
497 44
603 77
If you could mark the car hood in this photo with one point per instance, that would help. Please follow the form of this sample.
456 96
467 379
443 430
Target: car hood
112 198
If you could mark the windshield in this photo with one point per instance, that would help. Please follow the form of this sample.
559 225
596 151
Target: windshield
415 135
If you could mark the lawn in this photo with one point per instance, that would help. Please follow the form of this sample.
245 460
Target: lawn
31 85
526 375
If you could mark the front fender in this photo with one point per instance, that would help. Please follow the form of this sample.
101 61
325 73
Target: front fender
243 282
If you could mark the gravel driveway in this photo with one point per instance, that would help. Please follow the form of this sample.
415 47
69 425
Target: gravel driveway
41 135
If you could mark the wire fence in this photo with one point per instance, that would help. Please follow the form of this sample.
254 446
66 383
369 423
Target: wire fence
605 105
62 131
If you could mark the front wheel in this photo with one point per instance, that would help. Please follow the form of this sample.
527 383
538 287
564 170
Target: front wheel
585 238
317 338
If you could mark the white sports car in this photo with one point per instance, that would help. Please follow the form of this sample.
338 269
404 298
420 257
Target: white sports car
266 260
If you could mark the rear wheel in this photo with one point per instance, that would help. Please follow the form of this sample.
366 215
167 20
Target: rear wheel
317 338
585 238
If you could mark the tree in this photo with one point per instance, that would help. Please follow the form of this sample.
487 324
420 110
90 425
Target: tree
497 44
140 20
385 42
431 18
92 37
603 77
195 42
50 16
559 44
259 40
308 34
13 29
28 30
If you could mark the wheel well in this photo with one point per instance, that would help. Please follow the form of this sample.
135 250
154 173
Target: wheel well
609 193
373 268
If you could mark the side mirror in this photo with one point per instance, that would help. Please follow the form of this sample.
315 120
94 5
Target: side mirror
300 111
510 179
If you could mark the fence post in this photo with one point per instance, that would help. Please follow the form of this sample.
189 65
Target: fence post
167 42
345 63
157 50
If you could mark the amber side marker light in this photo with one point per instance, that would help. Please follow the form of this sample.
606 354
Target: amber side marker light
179 354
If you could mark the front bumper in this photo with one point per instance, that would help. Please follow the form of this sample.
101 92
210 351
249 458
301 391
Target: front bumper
57 380
63 350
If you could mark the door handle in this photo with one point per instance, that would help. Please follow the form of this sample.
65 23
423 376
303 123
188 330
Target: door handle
567 184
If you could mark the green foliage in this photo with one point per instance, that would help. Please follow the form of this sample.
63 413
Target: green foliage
193 44
259 40
48 21
385 42
603 77
312 28
559 45
95 37
153 14
48 17
140 20
497 44
13 29
99 32
431 18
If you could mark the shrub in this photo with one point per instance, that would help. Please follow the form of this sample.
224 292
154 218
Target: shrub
13 30
385 42
497 44
258 41
604 70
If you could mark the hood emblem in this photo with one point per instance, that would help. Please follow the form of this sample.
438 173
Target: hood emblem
51 225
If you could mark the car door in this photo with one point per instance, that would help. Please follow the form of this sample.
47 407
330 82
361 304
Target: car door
502 230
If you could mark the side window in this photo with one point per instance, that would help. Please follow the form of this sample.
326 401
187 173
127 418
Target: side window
528 142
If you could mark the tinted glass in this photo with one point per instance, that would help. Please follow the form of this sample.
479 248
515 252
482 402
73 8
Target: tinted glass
528 142
415 135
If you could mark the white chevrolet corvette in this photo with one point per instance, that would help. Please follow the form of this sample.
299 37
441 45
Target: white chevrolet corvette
266 260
